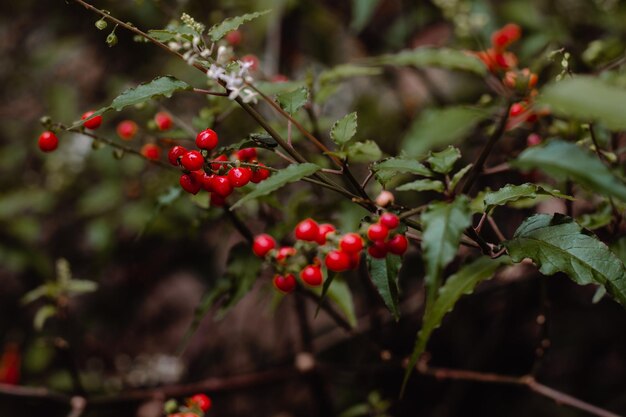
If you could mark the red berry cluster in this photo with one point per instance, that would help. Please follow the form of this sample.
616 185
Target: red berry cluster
340 252
196 406
220 179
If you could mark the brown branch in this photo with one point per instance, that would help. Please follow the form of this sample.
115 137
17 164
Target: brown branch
525 380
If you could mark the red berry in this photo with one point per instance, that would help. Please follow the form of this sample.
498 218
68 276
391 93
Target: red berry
217 200
284 253
48 141
324 230
189 184
175 153
397 245
253 60
151 151
202 401
377 231
126 129
92 123
286 283
351 243
163 121
246 154
217 167
516 109
233 38
337 261
207 139
505 36
207 181
220 185
390 220
239 176
192 160
260 174
263 244
533 139
378 249
312 275
307 230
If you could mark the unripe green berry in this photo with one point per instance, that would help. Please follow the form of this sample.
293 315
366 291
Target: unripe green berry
101 24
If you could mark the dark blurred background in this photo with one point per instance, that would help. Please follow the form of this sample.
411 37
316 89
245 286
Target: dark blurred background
153 259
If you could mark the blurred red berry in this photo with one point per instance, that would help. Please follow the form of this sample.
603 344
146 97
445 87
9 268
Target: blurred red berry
48 141
92 123
202 401
189 184
398 245
285 283
163 121
284 253
126 129
175 153
151 151
351 243
307 230
263 244
260 174
337 261
377 249
377 231
233 38
252 60
312 275
246 154
390 220
324 230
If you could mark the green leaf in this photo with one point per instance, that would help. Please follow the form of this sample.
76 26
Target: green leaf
384 275
566 160
389 168
80 286
459 284
341 296
597 219
341 72
459 176
292 101
161 86
366 151
443 162
422 185
437 128
44 290
293 172
362 12
344 129
510 193
434 57
588 99
443 226
43 314
558 244
220 30
173 33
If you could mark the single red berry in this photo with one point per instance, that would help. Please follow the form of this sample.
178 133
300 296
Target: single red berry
390 220
260 174
239 176
198 176
307 230
189 184
221 185
151 151
351 243
252 60
263 244
192 160
355 259
174 153
216 166
202 401
48 141
92 123
163 121
532 117
207 181
378 249
398 245
324 230
377 231
233 38
516 109
126 129
217 200
337 261
246 154
207 139
533 139
285 283
284 253
312 275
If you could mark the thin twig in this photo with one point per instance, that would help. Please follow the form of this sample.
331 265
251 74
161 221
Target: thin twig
495 228
210 93
338 318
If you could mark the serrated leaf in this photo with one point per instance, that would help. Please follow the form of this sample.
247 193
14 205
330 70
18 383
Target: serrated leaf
173 33
588 99
344 129
566 160
219 30
437 128
459 176
422 185
292 101
341 296
459 284
384 275
43 314
510 193
389 168
434 57
362 12
341 72
161 86
443 224
556 243
443 161
293 172
366 151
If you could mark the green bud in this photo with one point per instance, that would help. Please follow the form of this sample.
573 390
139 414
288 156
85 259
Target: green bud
101 24
112 39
